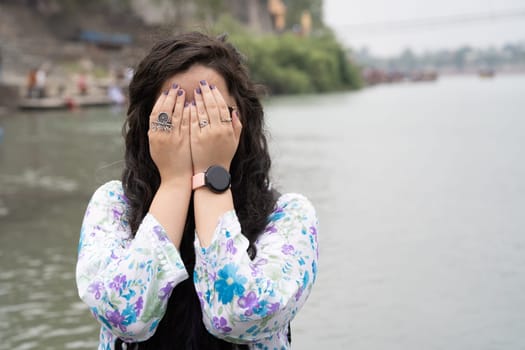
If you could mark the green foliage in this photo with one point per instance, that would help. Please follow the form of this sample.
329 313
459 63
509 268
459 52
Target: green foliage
289 64
295 8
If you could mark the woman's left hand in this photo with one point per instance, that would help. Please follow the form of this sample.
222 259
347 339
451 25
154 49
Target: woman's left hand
214 132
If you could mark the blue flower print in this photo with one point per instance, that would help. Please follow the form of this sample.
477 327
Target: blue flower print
229 283
276 215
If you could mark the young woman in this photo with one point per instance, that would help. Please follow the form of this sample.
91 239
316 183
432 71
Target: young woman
192 249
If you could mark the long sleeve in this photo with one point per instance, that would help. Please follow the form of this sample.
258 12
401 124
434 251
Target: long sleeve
253 301
125 281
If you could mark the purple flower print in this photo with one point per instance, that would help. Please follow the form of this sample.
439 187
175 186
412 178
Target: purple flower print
166 291
255 267
287 249
118 283
273 308
139 305
221 324
230 248
96 288
116 319
270 229
298 294
161 236
248 302
116 214
313 230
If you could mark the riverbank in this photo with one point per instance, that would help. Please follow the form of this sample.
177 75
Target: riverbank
284 62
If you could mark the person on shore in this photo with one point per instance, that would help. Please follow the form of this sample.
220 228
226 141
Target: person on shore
193 249
31 83
40 82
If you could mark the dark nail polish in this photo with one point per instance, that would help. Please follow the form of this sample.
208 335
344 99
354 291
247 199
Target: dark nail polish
186 104
203 82
175 85
193 103
166 92
180 92
212 86
198 91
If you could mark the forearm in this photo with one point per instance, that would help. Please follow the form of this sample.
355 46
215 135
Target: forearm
209 207
170 208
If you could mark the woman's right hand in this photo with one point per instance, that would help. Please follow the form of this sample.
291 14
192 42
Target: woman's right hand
170 149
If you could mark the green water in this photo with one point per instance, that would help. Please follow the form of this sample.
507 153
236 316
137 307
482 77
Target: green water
420 191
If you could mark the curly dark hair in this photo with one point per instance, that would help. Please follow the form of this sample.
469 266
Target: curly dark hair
182 326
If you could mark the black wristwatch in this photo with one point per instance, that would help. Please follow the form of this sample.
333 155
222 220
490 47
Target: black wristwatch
216 178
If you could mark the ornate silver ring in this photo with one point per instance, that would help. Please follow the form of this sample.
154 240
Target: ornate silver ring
162 123
203 123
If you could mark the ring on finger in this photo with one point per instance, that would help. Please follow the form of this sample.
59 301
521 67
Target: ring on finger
162 123
203 123
157 126
229 120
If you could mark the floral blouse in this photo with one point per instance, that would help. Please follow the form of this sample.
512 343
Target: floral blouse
126 282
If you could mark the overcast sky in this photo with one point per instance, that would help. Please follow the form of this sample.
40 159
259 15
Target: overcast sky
351 20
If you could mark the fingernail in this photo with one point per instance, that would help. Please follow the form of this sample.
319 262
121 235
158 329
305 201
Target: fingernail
180 92
166 92
175 85
212 86
193 103
198 91
203 82
186 104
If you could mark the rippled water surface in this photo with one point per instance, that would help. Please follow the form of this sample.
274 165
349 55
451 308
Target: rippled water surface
420 191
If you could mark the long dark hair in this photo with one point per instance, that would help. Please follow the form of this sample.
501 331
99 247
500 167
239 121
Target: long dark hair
182 326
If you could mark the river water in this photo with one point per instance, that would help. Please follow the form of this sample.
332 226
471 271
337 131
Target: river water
419 188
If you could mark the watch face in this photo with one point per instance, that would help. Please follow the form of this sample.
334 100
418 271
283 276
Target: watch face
217 179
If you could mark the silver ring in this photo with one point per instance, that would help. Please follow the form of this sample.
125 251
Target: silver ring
163 117
229 120
203 123
162 123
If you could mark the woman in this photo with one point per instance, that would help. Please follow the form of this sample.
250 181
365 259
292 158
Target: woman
178 213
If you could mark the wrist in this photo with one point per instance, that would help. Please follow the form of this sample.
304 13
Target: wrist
202 169
216 178
176 183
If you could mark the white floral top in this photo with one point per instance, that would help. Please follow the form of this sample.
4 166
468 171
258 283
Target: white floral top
127 281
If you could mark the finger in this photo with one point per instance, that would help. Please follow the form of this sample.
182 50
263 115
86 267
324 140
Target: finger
185 120
224 112
210 104
169 101
158 104
200 108
195 129
177 110
236 123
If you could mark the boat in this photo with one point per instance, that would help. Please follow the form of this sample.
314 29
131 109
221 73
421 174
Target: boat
486 73
50 103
